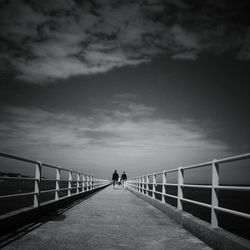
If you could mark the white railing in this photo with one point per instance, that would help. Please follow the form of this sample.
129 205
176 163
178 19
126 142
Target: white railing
143 183
84 182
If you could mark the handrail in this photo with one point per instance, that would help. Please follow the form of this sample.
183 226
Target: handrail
140 182
14 157
84 182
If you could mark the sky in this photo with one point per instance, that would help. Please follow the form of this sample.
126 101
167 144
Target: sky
140 86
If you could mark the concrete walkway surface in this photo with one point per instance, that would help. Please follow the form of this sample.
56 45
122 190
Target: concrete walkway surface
110 219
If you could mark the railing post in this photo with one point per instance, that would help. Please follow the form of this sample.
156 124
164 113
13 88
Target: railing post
180 191
140 185
69 183
215 200
77 183
164 181
153 187
37 190
90 187
58 177
91 182
88 182
143 184
147 184
83 183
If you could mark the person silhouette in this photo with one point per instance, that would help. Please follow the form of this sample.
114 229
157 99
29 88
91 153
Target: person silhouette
115 178
124 180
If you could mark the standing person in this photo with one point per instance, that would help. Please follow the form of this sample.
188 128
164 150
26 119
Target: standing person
115 178
124 179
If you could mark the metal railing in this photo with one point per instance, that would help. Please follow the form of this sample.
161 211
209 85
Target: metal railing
143 183
84 182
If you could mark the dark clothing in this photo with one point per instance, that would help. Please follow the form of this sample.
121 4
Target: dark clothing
124 177
115 177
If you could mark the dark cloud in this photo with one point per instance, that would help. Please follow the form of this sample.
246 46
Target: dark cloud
42 41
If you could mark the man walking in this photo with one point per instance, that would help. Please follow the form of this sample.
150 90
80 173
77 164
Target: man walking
123 180
115 178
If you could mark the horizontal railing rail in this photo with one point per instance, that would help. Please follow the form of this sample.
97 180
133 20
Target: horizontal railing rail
146 185
84 182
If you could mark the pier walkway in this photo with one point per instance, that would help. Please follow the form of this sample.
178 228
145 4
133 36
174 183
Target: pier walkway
110 219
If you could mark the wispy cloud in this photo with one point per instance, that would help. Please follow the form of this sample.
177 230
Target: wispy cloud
50 40
131 133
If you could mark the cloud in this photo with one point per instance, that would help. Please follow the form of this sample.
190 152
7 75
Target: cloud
131 133
50 40
126 96
244 53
